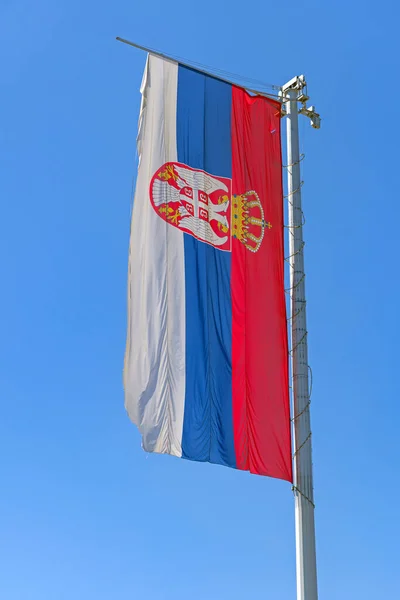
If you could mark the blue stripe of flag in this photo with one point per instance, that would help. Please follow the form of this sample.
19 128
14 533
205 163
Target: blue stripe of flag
204 142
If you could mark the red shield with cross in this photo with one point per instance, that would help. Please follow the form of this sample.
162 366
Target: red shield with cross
195 202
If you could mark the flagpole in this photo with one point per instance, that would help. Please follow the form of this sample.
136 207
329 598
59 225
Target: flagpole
306 571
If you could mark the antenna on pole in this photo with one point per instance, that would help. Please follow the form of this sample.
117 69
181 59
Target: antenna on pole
293 93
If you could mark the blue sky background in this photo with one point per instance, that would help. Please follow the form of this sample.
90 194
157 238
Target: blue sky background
84 513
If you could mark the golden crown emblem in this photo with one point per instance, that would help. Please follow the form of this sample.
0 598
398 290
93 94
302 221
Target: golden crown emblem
248 222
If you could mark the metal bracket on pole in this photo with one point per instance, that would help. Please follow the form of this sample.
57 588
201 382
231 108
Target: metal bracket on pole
299 83
293 93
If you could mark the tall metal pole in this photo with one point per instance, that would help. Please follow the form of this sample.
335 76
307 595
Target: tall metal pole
303 475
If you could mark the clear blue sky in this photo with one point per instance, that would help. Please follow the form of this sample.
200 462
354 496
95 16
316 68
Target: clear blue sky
84 513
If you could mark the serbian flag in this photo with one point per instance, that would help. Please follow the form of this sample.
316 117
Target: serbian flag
206 364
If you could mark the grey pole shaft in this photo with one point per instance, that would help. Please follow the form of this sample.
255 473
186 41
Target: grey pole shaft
303 476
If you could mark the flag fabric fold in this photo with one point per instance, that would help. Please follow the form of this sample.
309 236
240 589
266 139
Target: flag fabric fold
206 364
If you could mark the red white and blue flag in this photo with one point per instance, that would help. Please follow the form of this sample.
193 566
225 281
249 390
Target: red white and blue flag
206 365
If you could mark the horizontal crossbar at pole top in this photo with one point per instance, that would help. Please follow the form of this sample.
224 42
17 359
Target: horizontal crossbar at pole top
204 69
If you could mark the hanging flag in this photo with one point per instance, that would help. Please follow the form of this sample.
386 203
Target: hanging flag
206 365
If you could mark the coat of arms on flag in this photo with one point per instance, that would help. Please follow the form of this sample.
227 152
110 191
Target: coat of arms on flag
202 205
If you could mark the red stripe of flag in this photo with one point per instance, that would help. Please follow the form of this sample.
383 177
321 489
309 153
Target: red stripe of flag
261 416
